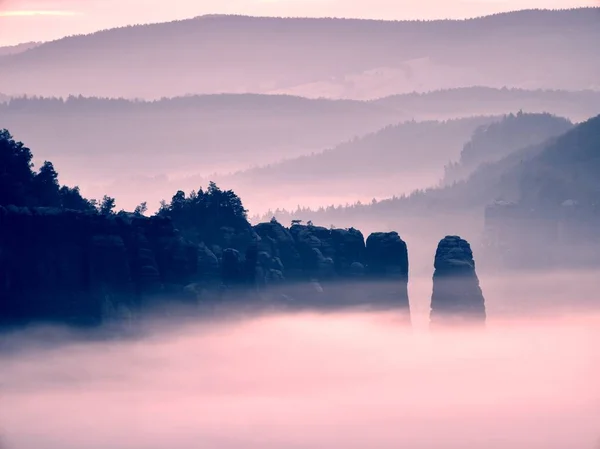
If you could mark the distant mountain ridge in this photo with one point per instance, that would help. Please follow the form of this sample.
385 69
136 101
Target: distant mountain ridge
209 102
19 48
189 134
463 101
495 141
195 138
563 168
396 159
432 105
248 54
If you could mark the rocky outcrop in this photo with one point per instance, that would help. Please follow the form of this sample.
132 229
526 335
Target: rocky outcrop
310 252
457 296
349 246
387 265
277 242
337 267
387 255
84 267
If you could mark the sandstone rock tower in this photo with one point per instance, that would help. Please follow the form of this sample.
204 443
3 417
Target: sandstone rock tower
457 297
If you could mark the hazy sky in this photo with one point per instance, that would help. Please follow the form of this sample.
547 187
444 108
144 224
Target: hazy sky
31 20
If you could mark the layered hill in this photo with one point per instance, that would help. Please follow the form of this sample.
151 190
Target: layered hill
396 158
538 178
465 101
214 54
493 142
19 48
563 168
193 135
167 144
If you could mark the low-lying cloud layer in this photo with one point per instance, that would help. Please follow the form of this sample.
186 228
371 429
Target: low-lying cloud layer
345 380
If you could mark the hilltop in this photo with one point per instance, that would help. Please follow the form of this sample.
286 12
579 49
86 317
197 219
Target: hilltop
196 134
562 168
216 54
267 145
495 141
396 158
19 48
475 100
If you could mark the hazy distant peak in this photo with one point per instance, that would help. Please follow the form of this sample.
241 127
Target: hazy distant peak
19 48
316 57
213 16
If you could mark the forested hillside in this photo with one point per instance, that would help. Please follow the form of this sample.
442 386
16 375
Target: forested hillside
197 134
396 158
560 169
213 54
14 49
493 142
465 101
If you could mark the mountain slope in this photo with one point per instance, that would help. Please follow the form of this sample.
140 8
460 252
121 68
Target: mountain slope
540 177
247 54
196 135
19 48
464 101
567 169
396 158
563 168
495 141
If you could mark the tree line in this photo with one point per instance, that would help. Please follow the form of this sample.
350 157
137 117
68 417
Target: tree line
22 186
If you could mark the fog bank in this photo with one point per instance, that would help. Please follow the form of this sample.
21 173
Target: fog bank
308 380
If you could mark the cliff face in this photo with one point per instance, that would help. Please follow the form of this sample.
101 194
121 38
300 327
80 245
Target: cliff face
85 267
457 296
342 267
387 263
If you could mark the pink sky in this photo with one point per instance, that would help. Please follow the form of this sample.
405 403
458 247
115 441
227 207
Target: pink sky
58 18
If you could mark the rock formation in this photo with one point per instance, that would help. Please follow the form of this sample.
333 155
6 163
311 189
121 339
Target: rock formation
85 267
387 255
334 266
457 296
69 259
387 266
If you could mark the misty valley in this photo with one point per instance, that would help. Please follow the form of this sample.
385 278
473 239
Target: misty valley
242 232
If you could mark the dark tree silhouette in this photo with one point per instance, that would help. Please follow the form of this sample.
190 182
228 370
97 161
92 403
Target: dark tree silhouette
107 205
45 186
21 186
141 209
15 171
71 198
204 213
